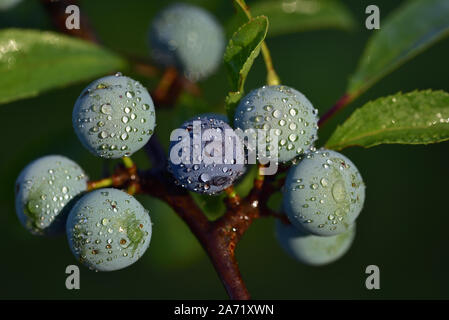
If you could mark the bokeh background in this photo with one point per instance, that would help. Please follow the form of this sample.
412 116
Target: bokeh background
403 228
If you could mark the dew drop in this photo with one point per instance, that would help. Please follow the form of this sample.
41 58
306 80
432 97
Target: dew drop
204 177
106 108
277 113
324 182
339 191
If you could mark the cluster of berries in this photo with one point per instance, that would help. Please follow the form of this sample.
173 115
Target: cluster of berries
108 229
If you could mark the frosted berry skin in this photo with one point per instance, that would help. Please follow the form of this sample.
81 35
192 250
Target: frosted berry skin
108 230
114 117
188 38
324 193
284 110
217 116
205 175
45 191
311 249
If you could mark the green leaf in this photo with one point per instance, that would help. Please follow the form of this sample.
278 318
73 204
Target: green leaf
406 33
419 117
242 50
301 15
33 61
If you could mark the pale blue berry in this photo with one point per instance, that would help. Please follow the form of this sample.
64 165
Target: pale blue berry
206 156
286 116
114 117
311 249
189 38
108 230
324 193
45 191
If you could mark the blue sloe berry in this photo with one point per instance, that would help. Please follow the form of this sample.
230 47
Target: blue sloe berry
284 112
114 117
311 249
188 38
45 191
212 115
324 193
207 156
108 230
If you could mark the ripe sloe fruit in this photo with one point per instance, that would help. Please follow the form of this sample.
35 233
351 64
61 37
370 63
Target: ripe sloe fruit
284 110
114 117
311 249
324 193
213 163
44 192
189 38
108 230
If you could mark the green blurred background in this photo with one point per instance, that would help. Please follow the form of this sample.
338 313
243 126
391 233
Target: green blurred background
403 228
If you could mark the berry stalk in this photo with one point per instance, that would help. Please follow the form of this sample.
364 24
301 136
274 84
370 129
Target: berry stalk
272 77
103 183
337 107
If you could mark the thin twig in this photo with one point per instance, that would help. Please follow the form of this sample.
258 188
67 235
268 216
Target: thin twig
56 11
272 77
340 105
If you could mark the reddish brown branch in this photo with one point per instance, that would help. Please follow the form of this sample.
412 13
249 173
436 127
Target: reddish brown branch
56 11
213 239
219 238
171 86
343 102
142 66
167 84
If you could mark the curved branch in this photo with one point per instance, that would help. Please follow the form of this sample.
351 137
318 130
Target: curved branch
212 238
